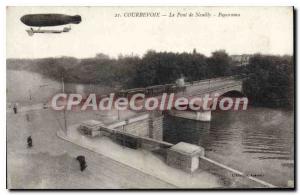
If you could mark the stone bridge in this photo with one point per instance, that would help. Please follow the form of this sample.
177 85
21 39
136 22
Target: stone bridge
223 86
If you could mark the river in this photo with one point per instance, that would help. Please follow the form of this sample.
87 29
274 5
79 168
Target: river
25 88
258 141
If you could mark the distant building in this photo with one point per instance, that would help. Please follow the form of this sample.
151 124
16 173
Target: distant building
241 60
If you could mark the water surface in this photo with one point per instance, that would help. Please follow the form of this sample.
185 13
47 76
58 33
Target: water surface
258 141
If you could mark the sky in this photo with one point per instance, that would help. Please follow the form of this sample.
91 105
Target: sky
267 30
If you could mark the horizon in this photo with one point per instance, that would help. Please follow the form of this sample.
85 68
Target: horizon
141 56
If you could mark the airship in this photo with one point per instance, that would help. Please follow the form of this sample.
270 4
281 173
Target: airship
48 20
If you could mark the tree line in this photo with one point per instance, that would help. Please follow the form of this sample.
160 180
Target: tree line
269 78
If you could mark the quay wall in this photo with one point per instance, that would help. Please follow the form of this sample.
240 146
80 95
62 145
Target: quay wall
143 125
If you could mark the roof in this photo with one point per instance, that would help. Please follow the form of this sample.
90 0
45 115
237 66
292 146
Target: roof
92 123
186 148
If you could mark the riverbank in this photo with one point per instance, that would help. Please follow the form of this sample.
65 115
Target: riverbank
42 125
142 160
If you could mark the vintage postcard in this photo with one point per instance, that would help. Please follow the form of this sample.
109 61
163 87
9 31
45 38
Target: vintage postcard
150 97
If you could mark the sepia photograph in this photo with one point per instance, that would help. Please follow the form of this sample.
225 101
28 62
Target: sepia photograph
150 97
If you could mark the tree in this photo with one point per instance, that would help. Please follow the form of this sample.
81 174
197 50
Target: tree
102 56
270 81
219 64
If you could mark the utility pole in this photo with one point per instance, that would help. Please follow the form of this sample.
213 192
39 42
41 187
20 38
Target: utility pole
63 90
63 84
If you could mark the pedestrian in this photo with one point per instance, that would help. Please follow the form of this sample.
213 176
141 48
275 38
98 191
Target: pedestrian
29 142
15 109
82 162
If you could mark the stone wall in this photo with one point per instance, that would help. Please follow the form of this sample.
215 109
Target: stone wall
156 128
144 125
139 128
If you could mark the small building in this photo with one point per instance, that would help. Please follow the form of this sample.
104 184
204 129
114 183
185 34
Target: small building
184 156
241 60
90 128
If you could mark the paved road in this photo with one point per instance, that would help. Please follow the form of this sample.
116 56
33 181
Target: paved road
51 162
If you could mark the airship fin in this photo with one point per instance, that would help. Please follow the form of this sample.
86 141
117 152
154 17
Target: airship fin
30 32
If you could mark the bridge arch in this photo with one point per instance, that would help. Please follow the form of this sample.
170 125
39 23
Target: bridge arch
239 99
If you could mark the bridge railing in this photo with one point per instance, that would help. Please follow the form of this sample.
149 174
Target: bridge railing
210 80
203 92
156 90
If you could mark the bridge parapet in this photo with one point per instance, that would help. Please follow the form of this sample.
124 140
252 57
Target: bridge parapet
220 90
157 90
211 80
